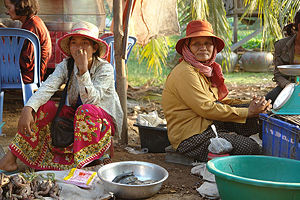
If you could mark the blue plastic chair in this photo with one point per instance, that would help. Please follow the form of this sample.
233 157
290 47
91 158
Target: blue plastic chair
110 41
11 43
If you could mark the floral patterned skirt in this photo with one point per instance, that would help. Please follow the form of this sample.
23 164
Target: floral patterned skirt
93 130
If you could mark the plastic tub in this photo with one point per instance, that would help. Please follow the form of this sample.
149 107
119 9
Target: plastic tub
256 177
155 139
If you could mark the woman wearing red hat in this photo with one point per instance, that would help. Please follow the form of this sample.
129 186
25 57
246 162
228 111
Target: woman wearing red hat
195 97
92 102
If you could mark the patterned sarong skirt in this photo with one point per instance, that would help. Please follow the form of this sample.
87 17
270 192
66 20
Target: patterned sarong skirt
93 130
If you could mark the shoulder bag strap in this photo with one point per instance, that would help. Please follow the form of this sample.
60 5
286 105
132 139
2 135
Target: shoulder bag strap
64 94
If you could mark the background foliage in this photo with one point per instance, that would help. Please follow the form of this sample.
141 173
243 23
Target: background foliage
159 55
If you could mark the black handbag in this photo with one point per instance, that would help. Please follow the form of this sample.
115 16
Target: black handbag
62 129
62 132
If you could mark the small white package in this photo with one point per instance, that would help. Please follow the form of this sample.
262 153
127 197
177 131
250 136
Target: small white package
80 177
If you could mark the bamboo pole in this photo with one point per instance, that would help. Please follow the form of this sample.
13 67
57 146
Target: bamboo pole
235 22
120 66
126 29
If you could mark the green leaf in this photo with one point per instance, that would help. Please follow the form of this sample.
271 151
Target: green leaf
155 53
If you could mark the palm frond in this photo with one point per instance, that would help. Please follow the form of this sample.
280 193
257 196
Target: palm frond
200 9
274 15
217 17
184 12
155 53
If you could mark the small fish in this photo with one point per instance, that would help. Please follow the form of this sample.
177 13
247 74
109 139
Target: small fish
118 178
129 180
148 181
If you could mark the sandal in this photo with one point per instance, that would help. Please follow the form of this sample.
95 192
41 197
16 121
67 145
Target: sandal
105 159
9 172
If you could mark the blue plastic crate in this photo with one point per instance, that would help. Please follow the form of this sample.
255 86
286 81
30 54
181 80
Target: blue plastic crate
280 138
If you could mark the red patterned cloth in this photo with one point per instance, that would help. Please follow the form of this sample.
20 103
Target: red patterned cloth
57 56
93 129
37 26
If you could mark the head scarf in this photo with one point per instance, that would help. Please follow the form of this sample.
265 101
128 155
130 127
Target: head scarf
210 69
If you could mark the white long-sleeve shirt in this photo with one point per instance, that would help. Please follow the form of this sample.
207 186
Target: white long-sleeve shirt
96 86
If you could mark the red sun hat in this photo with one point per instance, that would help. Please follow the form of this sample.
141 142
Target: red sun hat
198 28
87 30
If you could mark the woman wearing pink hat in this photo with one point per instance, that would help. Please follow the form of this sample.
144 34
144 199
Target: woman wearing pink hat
195 97
92 102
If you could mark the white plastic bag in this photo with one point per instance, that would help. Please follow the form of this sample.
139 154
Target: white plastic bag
209 190
134 151
152 119
219 145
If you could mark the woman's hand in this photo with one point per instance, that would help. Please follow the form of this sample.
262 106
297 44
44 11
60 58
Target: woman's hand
81 61
26 121
258 105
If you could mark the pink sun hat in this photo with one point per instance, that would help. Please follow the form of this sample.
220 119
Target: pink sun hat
85 29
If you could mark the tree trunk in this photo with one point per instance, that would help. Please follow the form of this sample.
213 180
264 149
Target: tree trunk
120 66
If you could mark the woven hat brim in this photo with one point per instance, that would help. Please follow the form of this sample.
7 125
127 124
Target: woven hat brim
63 44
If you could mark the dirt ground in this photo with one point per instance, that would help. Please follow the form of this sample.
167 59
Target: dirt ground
181 184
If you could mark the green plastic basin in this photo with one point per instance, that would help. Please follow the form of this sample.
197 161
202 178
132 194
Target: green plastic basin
256 177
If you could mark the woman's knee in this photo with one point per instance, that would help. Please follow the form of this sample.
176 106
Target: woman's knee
246 146
49 107
86 107
274 93
46 112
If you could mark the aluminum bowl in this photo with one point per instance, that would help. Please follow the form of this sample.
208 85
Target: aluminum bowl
290 70
142 170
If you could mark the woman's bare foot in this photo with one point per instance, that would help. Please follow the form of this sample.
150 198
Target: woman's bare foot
8 162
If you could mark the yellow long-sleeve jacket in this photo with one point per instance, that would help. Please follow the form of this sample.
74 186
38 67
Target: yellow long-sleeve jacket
189 104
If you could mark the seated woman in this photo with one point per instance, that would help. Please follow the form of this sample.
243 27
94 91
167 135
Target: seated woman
194 97
287 52
93 104
26 12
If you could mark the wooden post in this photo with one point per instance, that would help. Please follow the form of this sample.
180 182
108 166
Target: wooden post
126 29
120 66
235 22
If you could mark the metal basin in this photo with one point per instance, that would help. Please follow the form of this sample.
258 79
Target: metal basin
142 170
291 70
